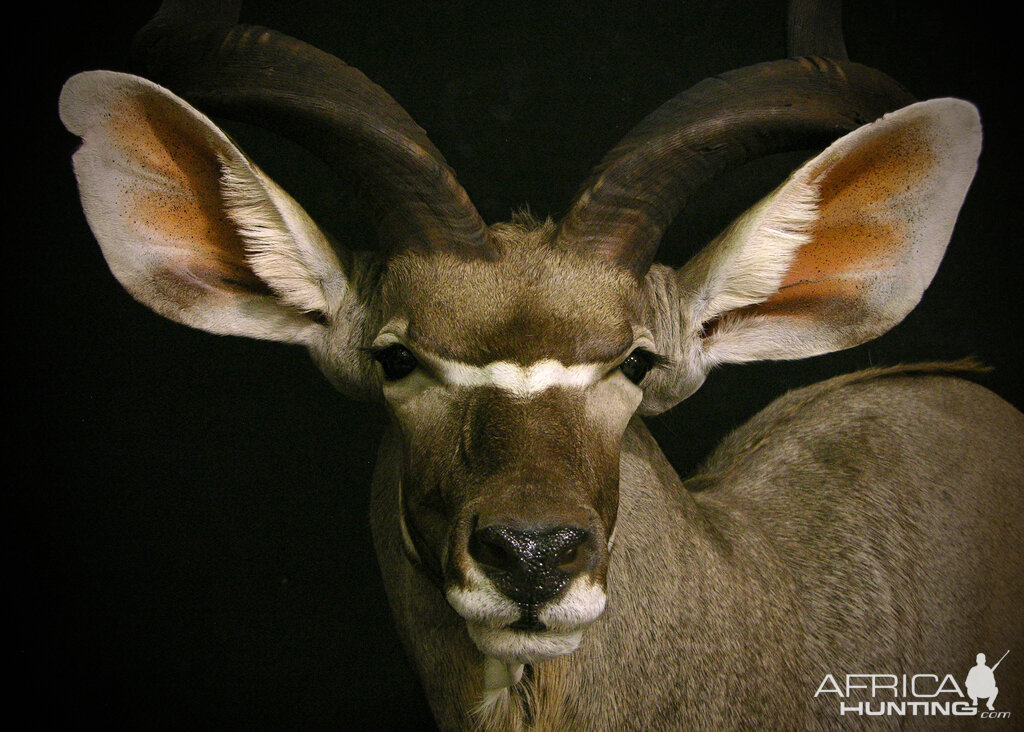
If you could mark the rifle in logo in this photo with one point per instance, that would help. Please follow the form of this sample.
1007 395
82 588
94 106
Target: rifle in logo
981 681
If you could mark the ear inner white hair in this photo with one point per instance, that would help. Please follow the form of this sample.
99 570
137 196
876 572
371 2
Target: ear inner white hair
283 245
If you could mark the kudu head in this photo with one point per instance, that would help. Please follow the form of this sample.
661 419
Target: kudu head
513 357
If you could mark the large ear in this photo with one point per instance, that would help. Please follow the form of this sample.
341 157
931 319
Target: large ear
188 224
838 254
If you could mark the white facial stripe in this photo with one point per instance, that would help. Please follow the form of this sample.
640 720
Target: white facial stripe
516 379
511 377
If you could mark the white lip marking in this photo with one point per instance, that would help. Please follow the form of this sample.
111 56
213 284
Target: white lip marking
481 601
581 604
514 648
488 613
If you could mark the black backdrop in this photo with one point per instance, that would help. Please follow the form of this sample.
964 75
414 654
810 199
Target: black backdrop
188 526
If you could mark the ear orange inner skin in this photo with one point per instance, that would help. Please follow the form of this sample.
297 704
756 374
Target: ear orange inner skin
188 208
862 228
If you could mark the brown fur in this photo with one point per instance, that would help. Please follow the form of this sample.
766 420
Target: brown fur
514 309
495 458
798 558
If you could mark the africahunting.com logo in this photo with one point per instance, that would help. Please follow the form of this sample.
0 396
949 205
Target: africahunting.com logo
917 694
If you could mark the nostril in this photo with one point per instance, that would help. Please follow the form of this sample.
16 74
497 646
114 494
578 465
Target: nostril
567 547
491 547
568 558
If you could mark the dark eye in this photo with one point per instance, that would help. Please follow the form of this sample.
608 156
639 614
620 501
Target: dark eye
397 361
636 365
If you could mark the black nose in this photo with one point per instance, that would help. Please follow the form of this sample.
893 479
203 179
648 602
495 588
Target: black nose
531 566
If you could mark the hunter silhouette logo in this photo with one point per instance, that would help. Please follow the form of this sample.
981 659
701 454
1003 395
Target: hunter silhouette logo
925 694
981 682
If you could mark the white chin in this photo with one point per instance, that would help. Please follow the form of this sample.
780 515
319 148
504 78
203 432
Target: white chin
513 646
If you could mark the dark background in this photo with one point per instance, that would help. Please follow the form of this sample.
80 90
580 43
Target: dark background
188 529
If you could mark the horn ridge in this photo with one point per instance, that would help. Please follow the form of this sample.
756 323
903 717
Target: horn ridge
632 195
